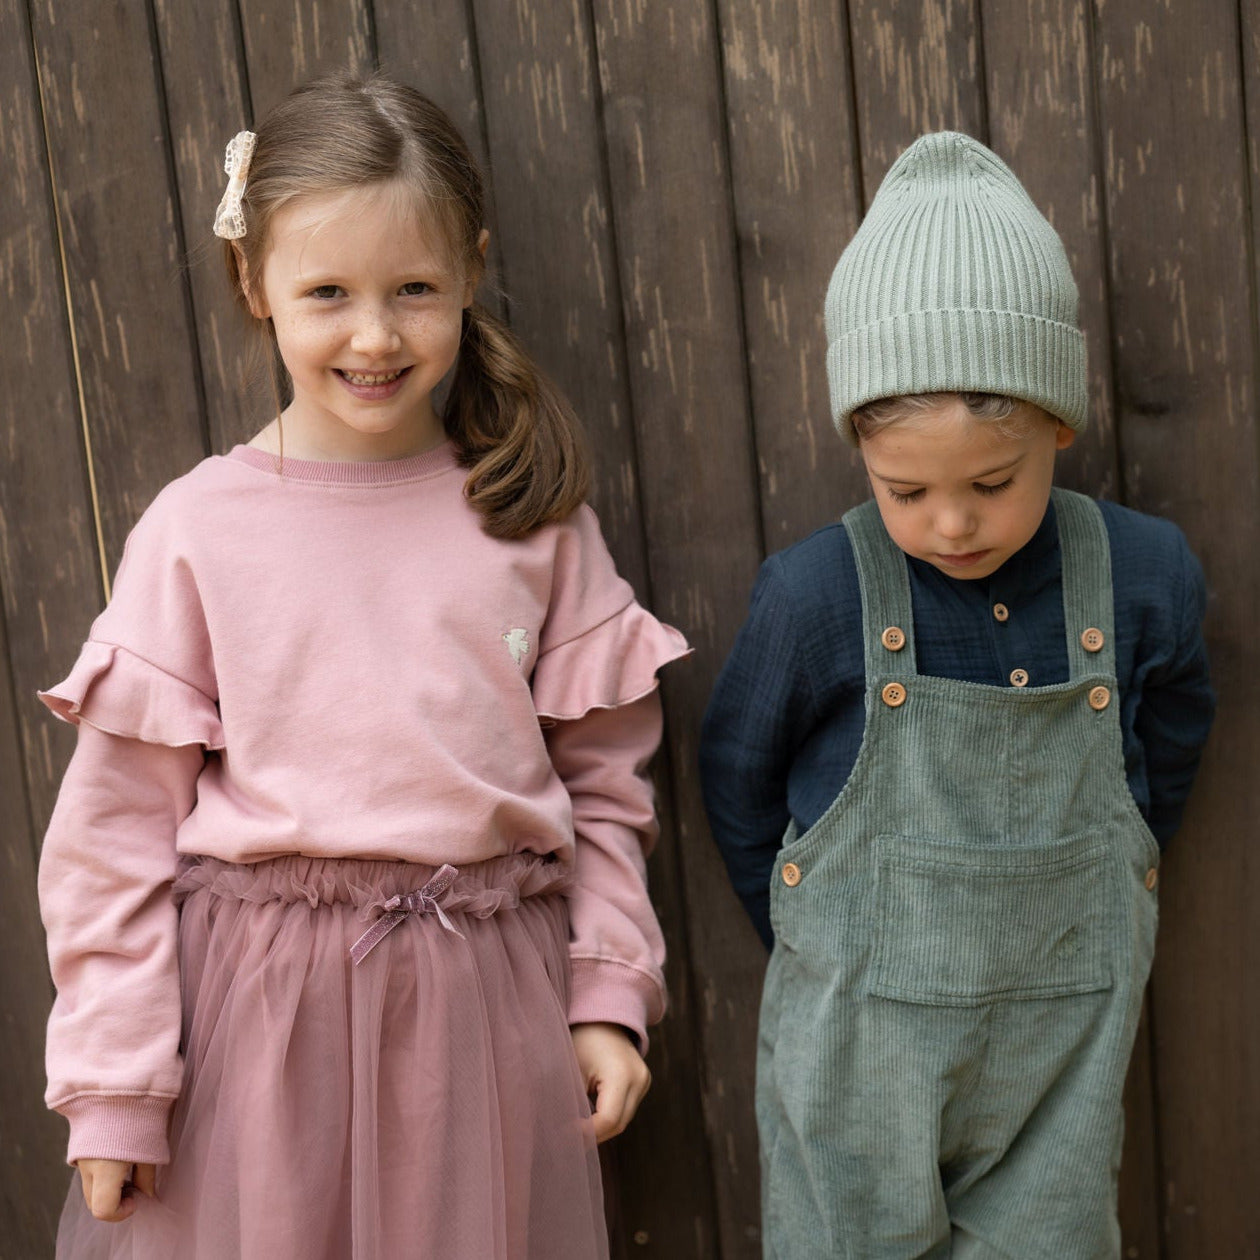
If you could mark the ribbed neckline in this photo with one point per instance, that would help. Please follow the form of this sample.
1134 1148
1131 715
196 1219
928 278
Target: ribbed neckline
383 472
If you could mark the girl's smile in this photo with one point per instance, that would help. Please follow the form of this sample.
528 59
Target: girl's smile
367 308
371 386
964 494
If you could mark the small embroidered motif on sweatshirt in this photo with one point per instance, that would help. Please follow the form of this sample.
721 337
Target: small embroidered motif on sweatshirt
518 644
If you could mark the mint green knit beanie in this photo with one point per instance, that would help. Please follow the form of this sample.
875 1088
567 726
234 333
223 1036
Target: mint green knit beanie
954 281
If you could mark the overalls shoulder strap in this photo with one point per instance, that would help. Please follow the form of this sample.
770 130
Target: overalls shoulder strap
1087 594
885 585
1088 612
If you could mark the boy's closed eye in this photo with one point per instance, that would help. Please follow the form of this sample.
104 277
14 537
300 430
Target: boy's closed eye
991 487
980 487
904 496
987 488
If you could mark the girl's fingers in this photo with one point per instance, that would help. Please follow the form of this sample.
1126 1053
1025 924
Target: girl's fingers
617 1100
609 1114
616 1076
103 1181
109 1185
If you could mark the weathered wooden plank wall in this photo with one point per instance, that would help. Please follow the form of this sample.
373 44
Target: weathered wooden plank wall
672 183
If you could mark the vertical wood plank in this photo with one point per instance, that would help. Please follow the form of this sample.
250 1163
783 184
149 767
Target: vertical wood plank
564 297
32 1139
1042 121
287 42
797 203
49 576
49 566
1249 35
917 69
1139 1198
207 104
1183 305
122 251
668 173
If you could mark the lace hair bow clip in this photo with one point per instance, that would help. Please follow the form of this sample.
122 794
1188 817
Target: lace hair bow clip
229 221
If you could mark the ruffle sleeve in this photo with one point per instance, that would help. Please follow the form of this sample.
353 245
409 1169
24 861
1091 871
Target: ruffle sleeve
612 664
147 671
121 693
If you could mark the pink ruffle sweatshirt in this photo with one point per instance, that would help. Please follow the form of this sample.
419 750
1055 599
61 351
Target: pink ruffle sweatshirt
335 660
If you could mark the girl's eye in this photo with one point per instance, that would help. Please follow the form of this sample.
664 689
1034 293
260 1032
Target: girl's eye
414 288
982 488
324 292
898 497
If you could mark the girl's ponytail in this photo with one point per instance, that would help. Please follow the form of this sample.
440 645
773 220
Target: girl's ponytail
514 431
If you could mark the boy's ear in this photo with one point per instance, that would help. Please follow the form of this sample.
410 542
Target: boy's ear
1064 436
254 296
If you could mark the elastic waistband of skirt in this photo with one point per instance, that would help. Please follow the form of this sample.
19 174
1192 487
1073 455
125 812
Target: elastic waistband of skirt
479 888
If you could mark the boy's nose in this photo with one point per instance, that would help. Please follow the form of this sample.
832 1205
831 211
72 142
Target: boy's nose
955 523
375 334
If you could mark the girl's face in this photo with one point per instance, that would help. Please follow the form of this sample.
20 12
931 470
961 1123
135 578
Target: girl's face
957 492
367 312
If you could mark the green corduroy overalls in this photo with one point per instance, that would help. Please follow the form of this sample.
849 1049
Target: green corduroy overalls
962 941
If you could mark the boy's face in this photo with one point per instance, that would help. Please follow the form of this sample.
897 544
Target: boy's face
959 493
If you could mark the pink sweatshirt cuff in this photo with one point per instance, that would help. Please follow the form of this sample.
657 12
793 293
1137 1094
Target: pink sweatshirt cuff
130 1127
607 991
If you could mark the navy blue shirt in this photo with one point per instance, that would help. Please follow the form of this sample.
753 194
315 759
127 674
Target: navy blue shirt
785 722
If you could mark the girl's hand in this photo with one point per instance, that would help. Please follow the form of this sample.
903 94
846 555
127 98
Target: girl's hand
108 1186
615 1075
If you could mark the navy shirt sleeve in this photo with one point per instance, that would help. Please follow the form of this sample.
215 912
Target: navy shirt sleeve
762 702
1177 704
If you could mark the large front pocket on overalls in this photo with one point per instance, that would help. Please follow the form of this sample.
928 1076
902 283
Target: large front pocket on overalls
960 925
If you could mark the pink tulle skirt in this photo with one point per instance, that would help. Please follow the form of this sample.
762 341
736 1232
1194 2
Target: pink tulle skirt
424 1103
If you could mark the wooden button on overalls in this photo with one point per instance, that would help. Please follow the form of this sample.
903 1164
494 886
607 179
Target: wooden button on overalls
1092 640
894 638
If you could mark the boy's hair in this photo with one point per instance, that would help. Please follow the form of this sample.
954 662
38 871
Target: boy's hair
512 428
955 281
1011 417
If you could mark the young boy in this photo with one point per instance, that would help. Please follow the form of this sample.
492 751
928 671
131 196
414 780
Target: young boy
975 708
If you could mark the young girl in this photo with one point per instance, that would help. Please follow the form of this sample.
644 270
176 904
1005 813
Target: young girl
944 754
345 889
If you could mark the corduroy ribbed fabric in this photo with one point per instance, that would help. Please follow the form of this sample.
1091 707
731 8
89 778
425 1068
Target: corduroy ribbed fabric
954 281
962 942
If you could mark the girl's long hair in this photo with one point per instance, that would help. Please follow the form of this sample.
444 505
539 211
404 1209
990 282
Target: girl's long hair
512 428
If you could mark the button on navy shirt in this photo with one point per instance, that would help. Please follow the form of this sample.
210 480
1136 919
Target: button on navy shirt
785 721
